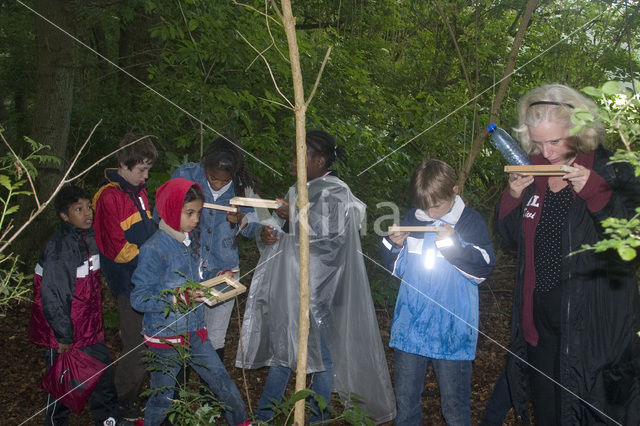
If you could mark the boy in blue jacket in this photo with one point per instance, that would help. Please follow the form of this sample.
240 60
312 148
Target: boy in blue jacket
436 315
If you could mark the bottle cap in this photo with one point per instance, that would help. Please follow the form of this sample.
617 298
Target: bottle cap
491 127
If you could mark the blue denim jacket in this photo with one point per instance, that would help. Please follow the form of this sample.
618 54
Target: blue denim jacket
164 262
217 236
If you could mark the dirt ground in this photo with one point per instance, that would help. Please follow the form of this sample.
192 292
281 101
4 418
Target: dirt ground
22 363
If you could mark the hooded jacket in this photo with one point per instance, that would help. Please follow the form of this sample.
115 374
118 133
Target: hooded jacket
600 314
122 222
67 306
166 261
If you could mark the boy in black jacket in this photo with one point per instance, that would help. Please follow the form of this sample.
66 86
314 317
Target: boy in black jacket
67 307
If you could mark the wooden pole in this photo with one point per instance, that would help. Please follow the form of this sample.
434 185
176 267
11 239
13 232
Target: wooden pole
303 201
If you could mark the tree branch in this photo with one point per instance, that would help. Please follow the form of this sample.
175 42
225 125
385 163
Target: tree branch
268 67
315 85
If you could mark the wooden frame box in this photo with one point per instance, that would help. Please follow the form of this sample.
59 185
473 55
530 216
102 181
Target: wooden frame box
220 207
395 228
541 170
222 288
254 202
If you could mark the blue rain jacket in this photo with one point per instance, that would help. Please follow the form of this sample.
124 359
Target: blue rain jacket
436 312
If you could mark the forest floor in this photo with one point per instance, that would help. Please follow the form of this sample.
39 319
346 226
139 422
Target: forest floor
22 363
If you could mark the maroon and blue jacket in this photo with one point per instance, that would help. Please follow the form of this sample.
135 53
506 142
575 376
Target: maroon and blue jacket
122 222
67 306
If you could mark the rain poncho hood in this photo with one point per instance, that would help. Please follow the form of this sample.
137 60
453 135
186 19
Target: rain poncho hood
341 308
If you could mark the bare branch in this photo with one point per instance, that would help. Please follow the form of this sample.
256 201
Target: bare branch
63 181
273 41
258 11
315 85
273 102
31 184
268 67
275 7
186 24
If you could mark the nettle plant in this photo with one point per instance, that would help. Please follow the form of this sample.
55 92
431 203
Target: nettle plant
620 113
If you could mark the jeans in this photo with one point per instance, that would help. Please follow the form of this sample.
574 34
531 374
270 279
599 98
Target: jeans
205 361
276 384
454 381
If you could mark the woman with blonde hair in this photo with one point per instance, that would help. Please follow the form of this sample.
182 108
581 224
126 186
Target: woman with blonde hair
574 347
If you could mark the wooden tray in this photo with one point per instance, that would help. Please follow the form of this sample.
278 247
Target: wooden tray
220 207
395 228
222 288
541 170
254 202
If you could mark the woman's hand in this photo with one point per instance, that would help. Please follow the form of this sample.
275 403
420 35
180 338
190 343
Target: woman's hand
64 347
398 237
579 178
283 210
266 235
518 183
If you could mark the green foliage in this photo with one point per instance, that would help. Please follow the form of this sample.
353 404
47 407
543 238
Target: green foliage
351 412
620 113
13 281
191 405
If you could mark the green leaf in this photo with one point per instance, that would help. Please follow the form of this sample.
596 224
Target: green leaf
594 92
11 210
611 87
627 253
5 181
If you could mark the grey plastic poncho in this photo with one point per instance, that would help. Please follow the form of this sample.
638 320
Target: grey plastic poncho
341 308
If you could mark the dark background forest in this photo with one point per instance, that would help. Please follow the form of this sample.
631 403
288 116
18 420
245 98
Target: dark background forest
405 80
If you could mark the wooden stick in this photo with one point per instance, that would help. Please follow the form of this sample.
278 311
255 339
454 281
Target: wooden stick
254 202
222 288
220 207
395 228
541 170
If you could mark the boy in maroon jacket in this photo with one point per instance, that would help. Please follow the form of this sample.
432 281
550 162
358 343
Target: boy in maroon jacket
67 307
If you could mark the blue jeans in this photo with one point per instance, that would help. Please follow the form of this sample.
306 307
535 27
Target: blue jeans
205 361
454 381
276 384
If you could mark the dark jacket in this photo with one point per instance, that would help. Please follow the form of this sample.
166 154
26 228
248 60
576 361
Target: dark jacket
67 306
600 314
122 223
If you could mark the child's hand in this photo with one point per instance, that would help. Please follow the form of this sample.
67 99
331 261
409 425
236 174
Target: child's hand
283 210
64 347
267 237
237 217
196 294
444 232
398 238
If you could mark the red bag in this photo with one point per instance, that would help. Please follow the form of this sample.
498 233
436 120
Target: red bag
72 378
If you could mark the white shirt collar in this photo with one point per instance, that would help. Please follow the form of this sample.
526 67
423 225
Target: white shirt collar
451 217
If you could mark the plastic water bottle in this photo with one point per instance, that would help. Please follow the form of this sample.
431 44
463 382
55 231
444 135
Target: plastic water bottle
509 148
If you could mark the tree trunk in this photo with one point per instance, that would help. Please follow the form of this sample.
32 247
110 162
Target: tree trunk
55 54
54 74
478 142
303 202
